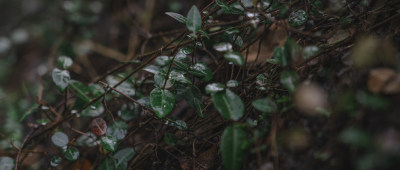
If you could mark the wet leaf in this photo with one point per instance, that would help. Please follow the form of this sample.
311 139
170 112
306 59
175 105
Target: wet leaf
297 18
117 129
194 98
232 83
109 143
202 71
61 78
71 154
228 104
123 156
64 62
265 105
193 22
234 57
55 161
87 140
60 139
162 101
214 88
163 60
177 16
223 47
233 147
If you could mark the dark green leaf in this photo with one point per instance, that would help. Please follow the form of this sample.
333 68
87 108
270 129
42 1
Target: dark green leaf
60 139
117 129
194 98
214 88
123 156
180 124
163 60
162 101
193 22
186 50
129 111
71 154
170 139
109 143
265 105
228 104
159 81
177 16
289 80
202 71
297 18
80 90
178 76
223 47
234 57
30 110
88 140
108 164
233 147
55 161
152 69
93 111
61 78
64 62
182 61
232 83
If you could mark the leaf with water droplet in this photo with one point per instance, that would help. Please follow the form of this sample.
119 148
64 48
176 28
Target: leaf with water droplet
193 22
55 161
109 143
234 57
223 47
162 102
177 16
118 129
163 60
202 71
71 154
214 88
228 104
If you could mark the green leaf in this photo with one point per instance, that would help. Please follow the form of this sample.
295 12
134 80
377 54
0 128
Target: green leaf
177 16
233 147
152 69
123 156
72 154
88 140
232 83
202 71
60 139
109 143
297 18
186 50
31 109
159 80
265 105
64 62
234 57
55 161
180 124
93 111
310 51
162 101
214 88
223 47
61 78
81 91
182 61
163 60
282 57
6 163
170 139
178 76
129 111
145 101
117 129
194 98
108 164
228 104
193 22
289 80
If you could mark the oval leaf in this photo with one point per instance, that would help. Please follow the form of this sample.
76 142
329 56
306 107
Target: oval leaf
109 143
177 16
228 104
194 98
232 83
118 129
234 57
265 105
72 154
61 78
193 22
202 71
214 88
64 62
123 156
223 47
60 139
7 163
162 101
55 161
289 80
233 147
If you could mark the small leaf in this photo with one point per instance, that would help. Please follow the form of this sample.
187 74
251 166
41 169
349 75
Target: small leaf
98 126
232 83
233 147
186 50
163 60
297 18
55 161
108 164
202 71
117 129
194 98
152 69
281 56
93 111
228 104
182 61
159 80
180 77
170 139
87 140
60 139
180 124
6 163
193 22
265 105
214 88
109 143
30 110
61 78
123 156
129 111
234 57
177 16
162 101
64 62
72 154
223 47
80 90
289 80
